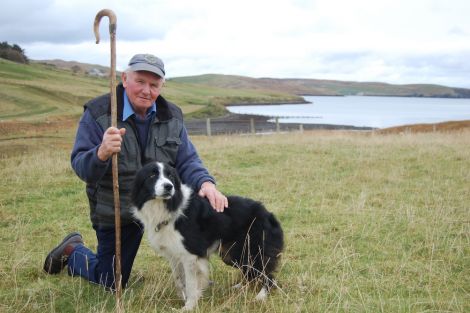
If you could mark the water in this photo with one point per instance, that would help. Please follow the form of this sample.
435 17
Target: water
361 111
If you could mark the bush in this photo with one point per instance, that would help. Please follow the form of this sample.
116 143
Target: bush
13 53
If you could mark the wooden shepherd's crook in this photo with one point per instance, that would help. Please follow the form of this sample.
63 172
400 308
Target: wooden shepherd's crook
117 206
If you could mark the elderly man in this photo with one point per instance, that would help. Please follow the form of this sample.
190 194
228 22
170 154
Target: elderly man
150 128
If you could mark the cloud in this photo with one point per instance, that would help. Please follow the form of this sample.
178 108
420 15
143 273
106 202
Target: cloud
421 41
28 22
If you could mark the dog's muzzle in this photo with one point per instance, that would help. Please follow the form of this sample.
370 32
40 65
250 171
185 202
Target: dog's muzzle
168 190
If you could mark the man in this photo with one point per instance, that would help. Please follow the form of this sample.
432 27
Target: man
149 129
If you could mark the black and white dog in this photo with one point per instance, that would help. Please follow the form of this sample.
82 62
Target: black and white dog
185 229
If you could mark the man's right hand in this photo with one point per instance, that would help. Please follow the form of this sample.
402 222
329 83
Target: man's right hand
111 143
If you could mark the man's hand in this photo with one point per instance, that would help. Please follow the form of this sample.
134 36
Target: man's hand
218 201
111 143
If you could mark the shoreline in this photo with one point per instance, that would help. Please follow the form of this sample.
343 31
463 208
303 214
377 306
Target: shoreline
267 103
233 123
240 124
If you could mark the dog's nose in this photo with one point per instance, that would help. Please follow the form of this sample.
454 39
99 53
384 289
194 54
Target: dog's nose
167 187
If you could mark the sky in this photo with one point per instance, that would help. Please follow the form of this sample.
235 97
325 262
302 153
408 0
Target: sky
398 42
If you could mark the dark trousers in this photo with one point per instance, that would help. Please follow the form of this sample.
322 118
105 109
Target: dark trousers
100 267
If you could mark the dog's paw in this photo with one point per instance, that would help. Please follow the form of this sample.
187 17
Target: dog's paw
181 294
189 305
187 308
262 295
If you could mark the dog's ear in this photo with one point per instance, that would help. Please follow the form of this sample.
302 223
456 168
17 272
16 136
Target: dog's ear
172 174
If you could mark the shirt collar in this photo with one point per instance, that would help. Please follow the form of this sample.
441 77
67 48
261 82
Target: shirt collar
128 110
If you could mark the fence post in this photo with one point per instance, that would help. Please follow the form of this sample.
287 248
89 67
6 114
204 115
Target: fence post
208 126
252 125
301 128
278 127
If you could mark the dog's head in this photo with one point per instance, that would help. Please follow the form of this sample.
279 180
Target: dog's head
155 181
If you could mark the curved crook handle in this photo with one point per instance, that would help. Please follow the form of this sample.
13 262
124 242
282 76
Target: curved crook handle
112 22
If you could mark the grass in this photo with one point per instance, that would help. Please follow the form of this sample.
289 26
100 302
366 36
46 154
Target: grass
36 92
373 223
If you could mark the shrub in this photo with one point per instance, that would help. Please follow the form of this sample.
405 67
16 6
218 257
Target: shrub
13 53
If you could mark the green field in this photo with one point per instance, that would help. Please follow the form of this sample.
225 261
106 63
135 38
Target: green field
373 223
36 92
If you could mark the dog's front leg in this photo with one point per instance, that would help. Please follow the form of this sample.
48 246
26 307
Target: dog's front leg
178 275
203 273
192 285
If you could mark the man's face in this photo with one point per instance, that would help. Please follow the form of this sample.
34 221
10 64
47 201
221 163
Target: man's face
142 88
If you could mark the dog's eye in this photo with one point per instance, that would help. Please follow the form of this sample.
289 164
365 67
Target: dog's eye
151 176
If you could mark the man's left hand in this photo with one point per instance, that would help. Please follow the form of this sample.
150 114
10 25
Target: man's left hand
218 201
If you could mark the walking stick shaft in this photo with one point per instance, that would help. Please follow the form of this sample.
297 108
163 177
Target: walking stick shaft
117 205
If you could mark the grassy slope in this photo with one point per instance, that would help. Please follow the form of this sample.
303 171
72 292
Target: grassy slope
373 223
324 87
34 92
38 92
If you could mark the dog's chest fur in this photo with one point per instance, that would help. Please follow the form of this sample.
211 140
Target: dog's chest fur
160 227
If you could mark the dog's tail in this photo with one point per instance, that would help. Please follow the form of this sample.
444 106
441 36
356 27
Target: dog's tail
255 247
267 243
272 245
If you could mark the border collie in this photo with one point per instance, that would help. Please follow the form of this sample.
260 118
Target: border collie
185 229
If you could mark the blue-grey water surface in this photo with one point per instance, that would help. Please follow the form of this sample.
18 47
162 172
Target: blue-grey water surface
361 111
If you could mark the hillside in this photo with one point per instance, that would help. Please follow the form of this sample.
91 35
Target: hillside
43 92
36 92
76 67
325 87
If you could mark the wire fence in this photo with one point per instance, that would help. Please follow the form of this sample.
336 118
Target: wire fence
252 124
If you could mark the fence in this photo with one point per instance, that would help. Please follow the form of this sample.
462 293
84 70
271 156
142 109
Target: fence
241 124
230 125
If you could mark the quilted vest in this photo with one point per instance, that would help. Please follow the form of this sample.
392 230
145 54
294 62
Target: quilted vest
162 145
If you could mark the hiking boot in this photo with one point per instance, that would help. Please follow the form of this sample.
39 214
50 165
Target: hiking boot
57 258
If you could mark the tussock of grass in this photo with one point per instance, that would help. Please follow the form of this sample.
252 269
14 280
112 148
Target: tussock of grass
373 223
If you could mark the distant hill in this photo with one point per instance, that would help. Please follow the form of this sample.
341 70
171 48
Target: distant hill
292 86
317 87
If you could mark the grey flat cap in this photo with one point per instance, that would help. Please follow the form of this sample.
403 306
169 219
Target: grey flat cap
147 62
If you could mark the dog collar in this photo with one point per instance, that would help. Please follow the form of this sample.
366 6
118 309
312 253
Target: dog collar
161 225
